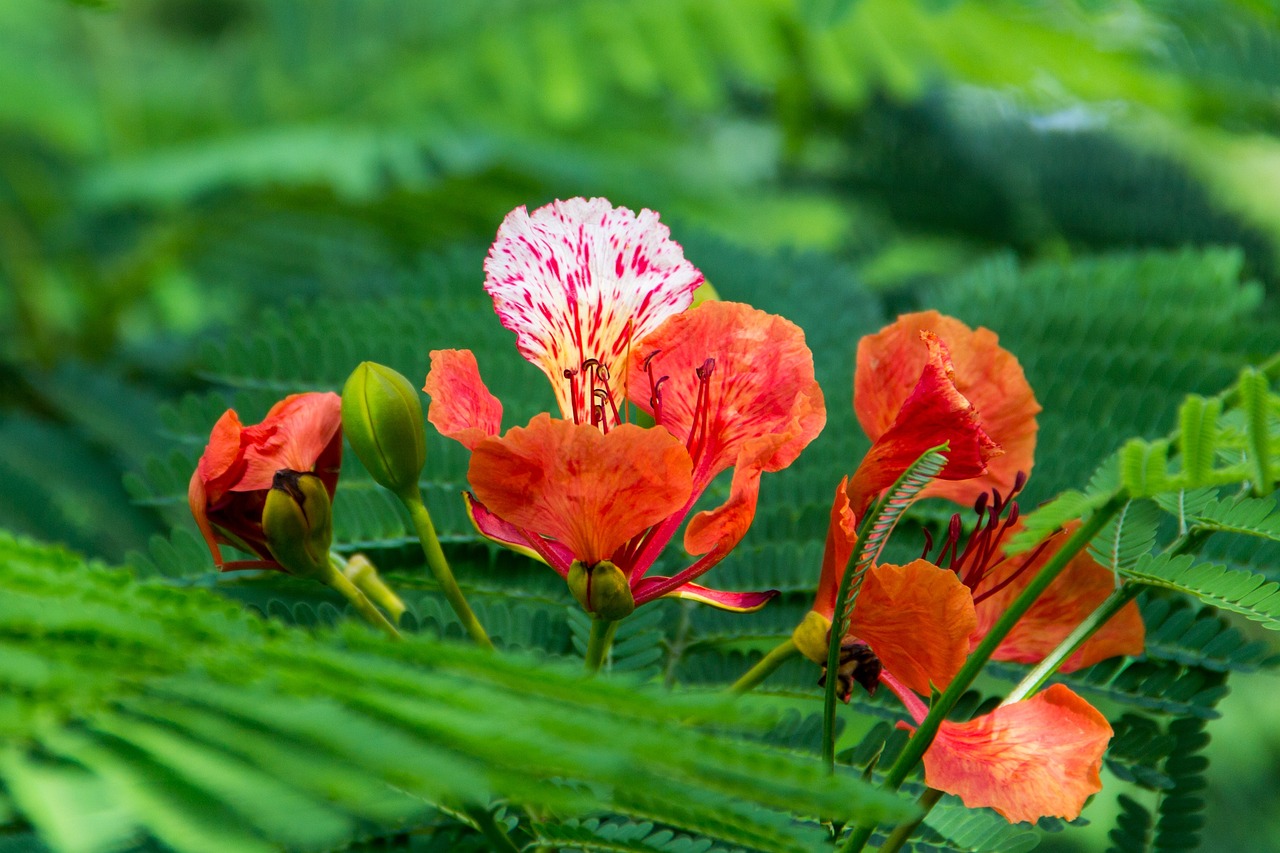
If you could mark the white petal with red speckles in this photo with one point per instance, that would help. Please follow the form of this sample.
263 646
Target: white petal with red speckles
580 279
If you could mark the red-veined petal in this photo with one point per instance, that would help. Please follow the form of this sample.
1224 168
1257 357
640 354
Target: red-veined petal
462 407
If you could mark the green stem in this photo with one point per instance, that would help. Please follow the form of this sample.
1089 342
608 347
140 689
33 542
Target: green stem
440 568
602 631
338 581
765 667
899 836
495 832
928 728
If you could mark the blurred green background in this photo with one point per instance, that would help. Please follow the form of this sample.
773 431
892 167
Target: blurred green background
170 167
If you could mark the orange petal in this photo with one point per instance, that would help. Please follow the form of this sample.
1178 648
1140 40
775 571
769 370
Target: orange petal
889 365
581 279
737 602
934 412
462 408
589 490
221 465
302 432
1031 759
761 384
842 538
917 618
1077 592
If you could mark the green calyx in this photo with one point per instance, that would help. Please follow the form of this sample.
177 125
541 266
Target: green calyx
601 589
382 420
298 523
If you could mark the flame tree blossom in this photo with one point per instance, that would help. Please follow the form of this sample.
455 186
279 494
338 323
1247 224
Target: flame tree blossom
597 297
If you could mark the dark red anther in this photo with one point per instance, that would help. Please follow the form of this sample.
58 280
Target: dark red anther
650 357
704 372
997 503
1018 482
1013 515
980 505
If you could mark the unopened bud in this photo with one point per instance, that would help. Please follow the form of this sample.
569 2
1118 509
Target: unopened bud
362 573
382 419
811 636
601 589
298 524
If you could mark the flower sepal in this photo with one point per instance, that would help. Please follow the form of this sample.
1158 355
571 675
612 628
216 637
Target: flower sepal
602 589
297 521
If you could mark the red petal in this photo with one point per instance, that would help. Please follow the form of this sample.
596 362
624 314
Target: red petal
761 384
302 432
581 279
889 364
462 408
842 538
1031 759
221 464
589 490
1076 593
917 618
738 602
524 542
935 412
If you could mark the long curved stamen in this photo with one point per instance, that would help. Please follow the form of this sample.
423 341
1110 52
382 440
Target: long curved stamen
997 515
701 411
574 401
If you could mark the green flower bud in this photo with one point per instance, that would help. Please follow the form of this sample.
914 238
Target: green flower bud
601 589
810 636
382 419
362 573
298 525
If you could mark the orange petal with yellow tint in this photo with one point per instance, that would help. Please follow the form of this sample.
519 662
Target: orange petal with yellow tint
462 407
589 490
1036 758
1077 592
842 538
888 368
761 384
917 618
302 432
935 412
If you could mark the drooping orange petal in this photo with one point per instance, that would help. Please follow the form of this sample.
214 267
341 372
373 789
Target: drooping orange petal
590 490
917 618
934 412
581 279
554 554
761 384
462 407
221 464
298 433
842 538
1077 592
889 365
1031 759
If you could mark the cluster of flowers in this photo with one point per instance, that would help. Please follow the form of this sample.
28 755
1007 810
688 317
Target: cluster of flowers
660 391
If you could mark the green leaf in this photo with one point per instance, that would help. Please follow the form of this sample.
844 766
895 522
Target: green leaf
1246 593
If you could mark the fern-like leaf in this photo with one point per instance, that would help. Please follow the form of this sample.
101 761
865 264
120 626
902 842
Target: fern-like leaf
1249 594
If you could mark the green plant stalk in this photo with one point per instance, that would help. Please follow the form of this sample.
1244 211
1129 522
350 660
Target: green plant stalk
765 666
440 568
338 581
492 830
904 831
928 728
602 631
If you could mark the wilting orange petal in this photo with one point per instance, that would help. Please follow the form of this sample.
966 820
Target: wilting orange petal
298 433
761 384
842 538
917 618
589 490
581 279
1077 592
934 413
1031 759
462 408
888 368
738 602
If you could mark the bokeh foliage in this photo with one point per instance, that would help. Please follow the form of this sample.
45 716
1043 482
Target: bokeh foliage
207 203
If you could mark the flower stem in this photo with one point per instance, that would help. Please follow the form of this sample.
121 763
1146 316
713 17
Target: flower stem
338 581
492 830
602 631
440 568
899 836
919 742
765 667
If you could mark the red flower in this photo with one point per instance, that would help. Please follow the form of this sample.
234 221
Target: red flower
302 432
597 298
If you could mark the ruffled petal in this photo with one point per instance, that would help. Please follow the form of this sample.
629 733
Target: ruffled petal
1035 758
221 465
842 538
462 407
509 536
761 384
737 602
581 279
888 368
917 618
590 490
1074 594
302 432
934 412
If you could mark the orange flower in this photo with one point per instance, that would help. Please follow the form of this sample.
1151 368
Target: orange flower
960 386
302 432
597 299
